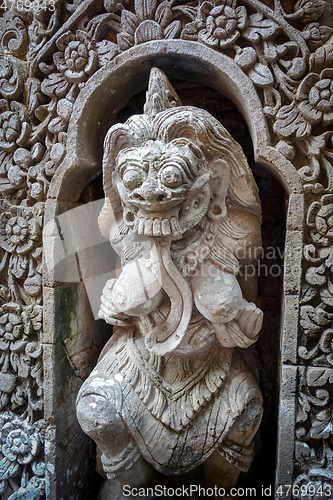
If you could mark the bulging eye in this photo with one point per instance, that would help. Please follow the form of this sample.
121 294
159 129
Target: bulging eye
171 177
133 178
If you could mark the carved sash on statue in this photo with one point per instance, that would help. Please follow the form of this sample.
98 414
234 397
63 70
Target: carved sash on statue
182 212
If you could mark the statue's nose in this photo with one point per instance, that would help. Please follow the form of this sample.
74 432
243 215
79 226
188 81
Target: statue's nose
149 191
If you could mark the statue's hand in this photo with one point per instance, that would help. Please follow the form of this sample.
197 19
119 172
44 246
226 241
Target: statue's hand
108 311
243 330
249 319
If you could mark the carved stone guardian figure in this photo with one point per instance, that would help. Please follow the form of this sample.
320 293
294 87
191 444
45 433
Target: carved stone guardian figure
172 388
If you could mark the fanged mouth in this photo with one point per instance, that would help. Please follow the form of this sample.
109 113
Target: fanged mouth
157 224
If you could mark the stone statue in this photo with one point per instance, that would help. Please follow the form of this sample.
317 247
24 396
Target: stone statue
172 390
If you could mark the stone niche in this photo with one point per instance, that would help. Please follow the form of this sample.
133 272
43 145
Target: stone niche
268 265
68 72
196 83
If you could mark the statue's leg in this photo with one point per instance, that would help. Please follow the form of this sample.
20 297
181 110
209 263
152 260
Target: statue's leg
234 455
121 460
99 419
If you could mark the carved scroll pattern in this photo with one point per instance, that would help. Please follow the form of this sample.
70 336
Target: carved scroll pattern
314 424
289 58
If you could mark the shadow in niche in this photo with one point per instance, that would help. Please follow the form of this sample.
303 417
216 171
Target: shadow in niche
270 279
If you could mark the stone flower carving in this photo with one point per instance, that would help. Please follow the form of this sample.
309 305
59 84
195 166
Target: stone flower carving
14 126
315 95
15 329
12 326
149 22
20 444
19 352
316 35
77 59
18 234
222 23
320 220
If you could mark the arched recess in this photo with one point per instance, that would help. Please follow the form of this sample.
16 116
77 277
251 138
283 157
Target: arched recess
104 95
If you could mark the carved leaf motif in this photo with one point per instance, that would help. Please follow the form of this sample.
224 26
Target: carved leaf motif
148 30
303 408
12 75
316 275
327 254
163 15
319 239
308 293
145 9
125 41
319 376
20 364
258 28
326 294
36 316
302 452
309 10
129 22
14 38
55 85
289 121
106 51
322 426
322 58
19 265
314 145
261 75
190 32
7 468
173 30
246 57
313 319
34 92
4 293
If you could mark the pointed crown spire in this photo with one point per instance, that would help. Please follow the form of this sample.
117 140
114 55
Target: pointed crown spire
161 95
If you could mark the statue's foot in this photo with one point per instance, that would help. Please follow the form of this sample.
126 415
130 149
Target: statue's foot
111 489
140 481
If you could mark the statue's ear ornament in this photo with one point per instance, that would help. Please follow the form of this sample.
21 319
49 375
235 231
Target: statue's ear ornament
196 204
220 174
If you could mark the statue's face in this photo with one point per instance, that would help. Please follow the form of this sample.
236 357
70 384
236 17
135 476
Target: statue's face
153 181
157 176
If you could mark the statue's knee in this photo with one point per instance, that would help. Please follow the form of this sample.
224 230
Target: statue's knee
246 425
100 420
251 417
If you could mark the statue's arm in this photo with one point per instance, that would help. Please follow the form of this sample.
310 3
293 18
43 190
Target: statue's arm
108 311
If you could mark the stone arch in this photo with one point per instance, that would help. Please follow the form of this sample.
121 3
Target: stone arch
108 89
95 109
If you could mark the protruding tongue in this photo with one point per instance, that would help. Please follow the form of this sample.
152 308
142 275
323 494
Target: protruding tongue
166 336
